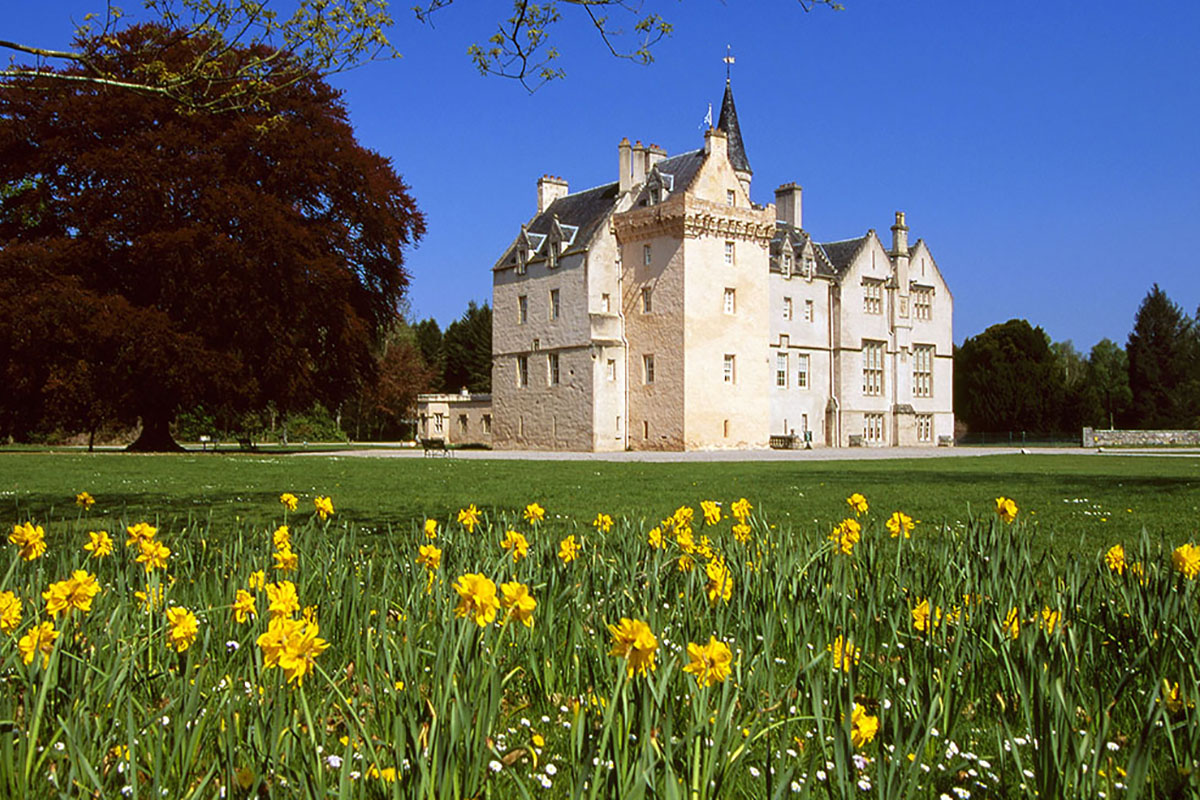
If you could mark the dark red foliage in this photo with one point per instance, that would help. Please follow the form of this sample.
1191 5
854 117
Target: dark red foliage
152 258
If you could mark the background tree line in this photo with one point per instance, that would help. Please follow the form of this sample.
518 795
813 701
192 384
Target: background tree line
1012 377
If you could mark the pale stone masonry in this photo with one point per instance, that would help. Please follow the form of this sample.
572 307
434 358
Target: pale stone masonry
668 311
457 419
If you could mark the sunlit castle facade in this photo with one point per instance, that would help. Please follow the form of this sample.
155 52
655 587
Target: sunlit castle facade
667 311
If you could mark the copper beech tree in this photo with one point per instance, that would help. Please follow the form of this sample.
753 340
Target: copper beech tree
152 257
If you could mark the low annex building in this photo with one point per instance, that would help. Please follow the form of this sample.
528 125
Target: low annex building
668 311
456 419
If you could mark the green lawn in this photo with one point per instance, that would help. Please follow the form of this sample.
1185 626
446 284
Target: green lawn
1084 500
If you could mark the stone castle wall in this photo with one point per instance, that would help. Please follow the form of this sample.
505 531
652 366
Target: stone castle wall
1107 438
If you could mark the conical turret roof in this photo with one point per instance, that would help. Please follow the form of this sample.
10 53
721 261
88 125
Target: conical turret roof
728 122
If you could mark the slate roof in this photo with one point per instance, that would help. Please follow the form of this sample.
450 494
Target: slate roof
584 210
841 253
678 172
728 122
798 237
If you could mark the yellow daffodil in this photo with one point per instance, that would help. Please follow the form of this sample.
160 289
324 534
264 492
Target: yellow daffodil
243 606
568 549
30 540
257 581
99 544
429 556
1114 559
515 598
153 555
741 532
846 535
900 524
143 531
469 517
516 544
1006 509
1050 620
685 539
709 663
282 600
711 511
655 539
1186 560
686 563
741 510
182 627
286 560
84 500
1012 623
477 598
38 639
74 593
151 599
683 516
925 620
845 654
324 507
635 642
289 501
300 650
431 528
857 503
603 523
1171 697
10 612
534 513
282 538
720 581
863 726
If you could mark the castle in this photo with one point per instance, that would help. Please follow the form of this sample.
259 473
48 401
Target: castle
668 311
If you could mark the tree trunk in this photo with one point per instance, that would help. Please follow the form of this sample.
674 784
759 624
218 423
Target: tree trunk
155 436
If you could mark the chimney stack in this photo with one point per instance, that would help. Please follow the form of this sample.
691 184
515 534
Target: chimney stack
900 236
624 166
654 154
788 207
715 142
639 164
550 188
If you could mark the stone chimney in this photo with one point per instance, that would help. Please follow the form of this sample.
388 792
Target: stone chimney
624 167
639 164
654 154
900 236
788 206
715 142
550 188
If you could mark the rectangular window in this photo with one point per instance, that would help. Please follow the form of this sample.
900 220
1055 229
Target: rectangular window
648 368
462 423
522 370
605 303
787 308
730 197
729 253
730 301
730 369
923 370
552 368
801 371
873 428
487 423
781 369
872 355
554 308
924 427
612 369
808 310
922 300
646 257
647 301
645 429
439 422
873 297
787 265
522 310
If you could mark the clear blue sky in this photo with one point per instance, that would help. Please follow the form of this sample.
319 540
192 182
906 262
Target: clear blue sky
1048 152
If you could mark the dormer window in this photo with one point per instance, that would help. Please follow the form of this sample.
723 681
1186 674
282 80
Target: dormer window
522 258
787 265
810 266
551 255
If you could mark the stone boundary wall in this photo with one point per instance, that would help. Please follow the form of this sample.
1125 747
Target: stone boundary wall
1107 438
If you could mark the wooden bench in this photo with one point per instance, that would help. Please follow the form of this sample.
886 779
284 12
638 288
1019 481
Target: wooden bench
435 446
